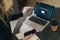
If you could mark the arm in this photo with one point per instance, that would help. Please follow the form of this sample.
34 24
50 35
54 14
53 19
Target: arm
1 24
22 13
15 16
1 30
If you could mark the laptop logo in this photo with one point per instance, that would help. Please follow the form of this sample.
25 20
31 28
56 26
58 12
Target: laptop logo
43 12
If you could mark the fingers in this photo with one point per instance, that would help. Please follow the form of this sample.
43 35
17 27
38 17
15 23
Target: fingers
26 9
28 37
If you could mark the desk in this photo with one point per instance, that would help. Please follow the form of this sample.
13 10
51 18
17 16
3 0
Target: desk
30 24
46 34
23 29
27 27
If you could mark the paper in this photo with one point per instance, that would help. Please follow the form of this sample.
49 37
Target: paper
24 28
20 35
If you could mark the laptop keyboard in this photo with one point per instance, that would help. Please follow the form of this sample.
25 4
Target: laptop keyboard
37 20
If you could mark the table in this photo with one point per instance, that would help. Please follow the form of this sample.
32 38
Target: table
57 17
24 28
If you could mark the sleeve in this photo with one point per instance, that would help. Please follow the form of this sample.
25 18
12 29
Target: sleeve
1 23
15 16
1 30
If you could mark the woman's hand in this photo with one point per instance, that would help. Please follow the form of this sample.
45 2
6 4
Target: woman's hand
26 9
28 37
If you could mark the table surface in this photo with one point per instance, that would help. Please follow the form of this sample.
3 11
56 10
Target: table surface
45 35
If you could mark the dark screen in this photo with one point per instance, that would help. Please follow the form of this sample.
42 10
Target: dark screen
43 10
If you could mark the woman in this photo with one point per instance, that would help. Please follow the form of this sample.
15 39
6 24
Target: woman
5 18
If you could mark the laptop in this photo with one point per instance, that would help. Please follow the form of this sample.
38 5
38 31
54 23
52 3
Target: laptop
41 15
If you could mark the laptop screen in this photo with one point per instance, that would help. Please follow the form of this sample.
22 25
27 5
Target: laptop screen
43 10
